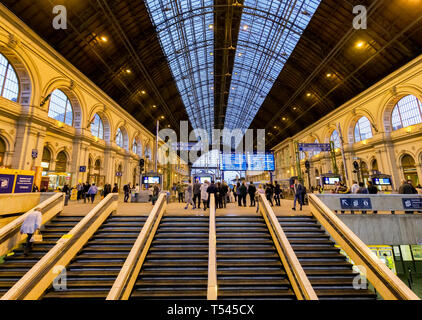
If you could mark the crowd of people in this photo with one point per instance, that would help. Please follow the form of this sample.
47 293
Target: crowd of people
193 194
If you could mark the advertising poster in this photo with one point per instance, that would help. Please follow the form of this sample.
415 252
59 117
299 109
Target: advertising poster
6 183
24 183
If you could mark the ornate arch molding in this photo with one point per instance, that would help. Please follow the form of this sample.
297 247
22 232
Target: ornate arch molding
9 48
8 140
122 125
351 121
138 137
68 87
328 131
392 98
105 116
401 154
50 147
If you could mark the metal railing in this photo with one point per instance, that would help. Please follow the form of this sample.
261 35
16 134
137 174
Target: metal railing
387 284
33 284
10 235
297 277
123 285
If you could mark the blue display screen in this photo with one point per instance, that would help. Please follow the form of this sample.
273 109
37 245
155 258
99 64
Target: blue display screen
234 162
250 161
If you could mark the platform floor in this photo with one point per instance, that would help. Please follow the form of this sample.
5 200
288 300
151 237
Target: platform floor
175 208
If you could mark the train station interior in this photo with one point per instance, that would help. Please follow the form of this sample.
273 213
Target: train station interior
236 150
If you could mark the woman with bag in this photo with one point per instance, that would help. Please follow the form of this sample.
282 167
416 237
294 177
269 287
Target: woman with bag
30 225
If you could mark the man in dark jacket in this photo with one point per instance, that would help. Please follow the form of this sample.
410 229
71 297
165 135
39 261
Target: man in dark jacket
197 193
277 192
126 190
298 192
269 192
85 191
211 189
407 188
251 192
243 191
224 191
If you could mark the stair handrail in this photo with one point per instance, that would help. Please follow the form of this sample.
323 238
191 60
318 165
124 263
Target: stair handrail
295 273
11 230
212 253
387 284
33 284
123 285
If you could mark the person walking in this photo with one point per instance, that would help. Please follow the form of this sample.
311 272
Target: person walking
197 193
204 194
126 190
155 193
80 189
92 192
180 191
30 225
277 193
85 192
251 192
218 197
298 191
189 196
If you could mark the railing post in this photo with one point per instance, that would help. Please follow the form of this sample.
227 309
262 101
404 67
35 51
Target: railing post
212 253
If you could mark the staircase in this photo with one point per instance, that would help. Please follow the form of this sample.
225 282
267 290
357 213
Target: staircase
330 274
248 265
176 266
15 266
92 272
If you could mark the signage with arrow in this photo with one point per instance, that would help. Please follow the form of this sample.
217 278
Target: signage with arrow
356 203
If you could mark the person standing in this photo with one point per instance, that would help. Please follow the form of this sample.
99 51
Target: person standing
251 192
204 194
30 225
197 193
298 191
354 188
277 192
80 188
115 188
269 193
258 192
155 193
236 191
362 189
224 192
211 189
218 197
243 194
85 193
92 192
180 192
189 196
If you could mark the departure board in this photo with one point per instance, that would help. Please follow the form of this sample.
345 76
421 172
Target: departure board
234 161
261 161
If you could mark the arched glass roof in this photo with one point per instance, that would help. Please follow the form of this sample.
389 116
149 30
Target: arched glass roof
183 28
269 32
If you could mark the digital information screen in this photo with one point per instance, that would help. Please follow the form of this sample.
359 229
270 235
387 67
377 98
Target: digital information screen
234 162
382 181
203 179
151 180
261 161
249 161
330 181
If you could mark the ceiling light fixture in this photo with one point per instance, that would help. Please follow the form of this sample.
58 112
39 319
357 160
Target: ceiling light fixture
360 44
128 71
104 39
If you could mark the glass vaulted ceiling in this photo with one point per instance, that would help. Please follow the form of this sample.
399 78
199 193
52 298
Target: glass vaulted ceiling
183 28
269 32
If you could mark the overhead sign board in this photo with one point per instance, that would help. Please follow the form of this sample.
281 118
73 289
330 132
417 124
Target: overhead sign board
322 147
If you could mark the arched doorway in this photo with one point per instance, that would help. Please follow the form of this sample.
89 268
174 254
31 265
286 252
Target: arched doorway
364 172
61 162
2 152
409 169
61 176
374 165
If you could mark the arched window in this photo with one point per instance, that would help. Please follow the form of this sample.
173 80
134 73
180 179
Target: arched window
9 84
97 127
60 107
407 112
363 129
409 169
135 146
46 159
119 138
61 162
335 137
2 151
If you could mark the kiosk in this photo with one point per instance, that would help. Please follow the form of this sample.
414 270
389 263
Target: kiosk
382 181
329 180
